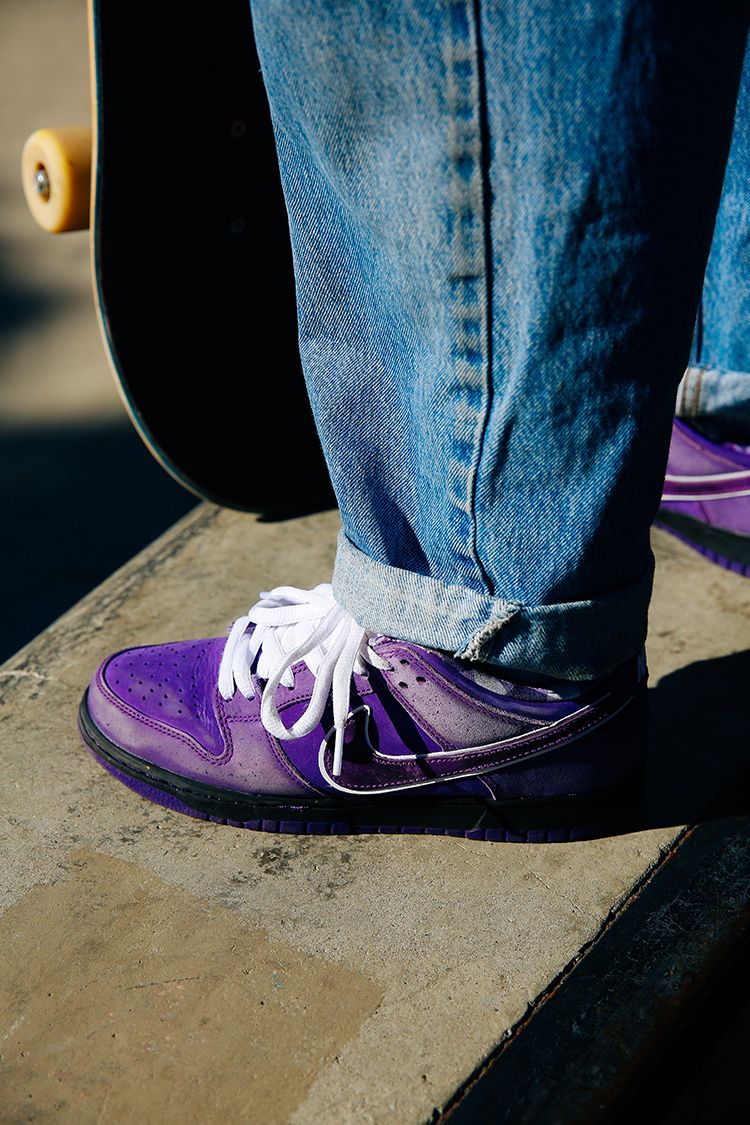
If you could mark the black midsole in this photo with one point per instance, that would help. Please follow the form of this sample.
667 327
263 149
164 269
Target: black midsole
466 813
730 545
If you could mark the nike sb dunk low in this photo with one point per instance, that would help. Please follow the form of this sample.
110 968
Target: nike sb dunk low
301 721
706 497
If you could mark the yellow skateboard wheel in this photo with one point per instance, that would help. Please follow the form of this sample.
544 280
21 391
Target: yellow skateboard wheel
56 172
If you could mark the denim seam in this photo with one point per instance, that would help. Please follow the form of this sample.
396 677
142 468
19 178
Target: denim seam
699 330
697 391
469 276
691 387
486 196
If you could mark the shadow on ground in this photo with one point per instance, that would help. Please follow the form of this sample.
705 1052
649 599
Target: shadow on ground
699 746
77 502
20 305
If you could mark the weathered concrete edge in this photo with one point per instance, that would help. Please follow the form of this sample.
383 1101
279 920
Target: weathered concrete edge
588 1041
465 1102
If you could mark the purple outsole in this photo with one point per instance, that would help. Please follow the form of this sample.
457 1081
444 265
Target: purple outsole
317 828
712 556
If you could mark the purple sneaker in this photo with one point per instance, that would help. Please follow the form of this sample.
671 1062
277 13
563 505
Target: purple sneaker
301 721
706 498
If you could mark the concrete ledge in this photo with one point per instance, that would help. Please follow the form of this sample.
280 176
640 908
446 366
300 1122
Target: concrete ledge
161 969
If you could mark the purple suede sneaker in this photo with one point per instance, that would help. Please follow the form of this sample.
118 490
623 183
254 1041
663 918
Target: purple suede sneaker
706 497
302 721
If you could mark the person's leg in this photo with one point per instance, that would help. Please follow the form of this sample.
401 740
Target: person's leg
499 242
714 395
706 497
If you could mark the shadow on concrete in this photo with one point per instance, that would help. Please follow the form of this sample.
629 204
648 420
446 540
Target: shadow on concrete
20 305
699 744
77 502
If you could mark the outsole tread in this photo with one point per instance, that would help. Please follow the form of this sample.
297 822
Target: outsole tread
317 828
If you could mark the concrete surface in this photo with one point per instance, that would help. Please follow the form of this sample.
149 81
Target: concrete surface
157 968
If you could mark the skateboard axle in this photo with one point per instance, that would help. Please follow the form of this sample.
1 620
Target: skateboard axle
41 179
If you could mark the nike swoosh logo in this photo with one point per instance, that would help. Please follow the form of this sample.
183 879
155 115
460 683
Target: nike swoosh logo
392 773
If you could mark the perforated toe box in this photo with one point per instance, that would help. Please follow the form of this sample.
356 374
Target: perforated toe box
170 689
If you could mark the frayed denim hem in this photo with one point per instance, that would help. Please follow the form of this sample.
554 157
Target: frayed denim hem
572 641
709 392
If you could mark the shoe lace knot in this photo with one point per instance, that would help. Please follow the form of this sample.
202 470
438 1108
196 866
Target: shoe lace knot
288 626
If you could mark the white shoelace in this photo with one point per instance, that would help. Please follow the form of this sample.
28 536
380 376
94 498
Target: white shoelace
293 625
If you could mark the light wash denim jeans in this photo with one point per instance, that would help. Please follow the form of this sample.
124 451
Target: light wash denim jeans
500 216
716 385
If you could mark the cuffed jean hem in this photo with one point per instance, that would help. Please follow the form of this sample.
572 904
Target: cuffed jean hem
708 392
571 641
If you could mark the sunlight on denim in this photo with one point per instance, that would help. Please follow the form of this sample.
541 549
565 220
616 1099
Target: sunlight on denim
499 239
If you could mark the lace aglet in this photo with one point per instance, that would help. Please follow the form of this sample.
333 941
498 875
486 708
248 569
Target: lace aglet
338 752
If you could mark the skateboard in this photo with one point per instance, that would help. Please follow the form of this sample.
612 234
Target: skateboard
178 183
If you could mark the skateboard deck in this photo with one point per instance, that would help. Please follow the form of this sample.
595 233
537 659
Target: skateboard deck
191 258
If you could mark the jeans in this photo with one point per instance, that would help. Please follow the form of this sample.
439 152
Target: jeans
500 237
716 385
